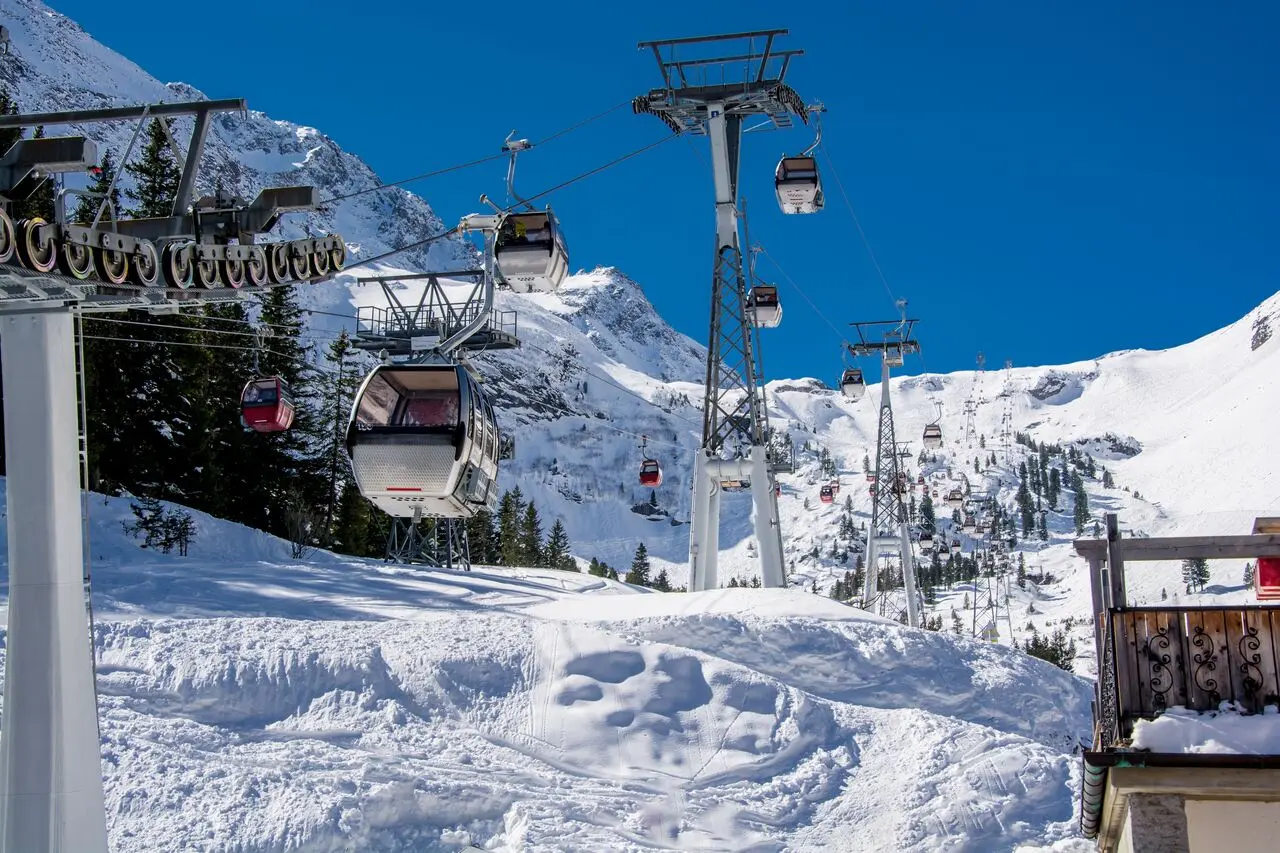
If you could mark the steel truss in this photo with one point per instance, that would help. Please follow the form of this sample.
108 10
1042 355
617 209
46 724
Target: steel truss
708 92
889 532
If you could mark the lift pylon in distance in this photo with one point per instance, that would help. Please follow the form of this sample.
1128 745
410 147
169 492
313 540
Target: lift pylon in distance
889 532
710 85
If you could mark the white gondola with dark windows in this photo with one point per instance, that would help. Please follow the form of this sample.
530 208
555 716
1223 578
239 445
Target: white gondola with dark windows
423 437
852 385
764 309
796 180
530 250
933 431
798 185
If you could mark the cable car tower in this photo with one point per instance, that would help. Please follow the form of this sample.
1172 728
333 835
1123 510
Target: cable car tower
434 330
710 91
889 530
971 405
51 795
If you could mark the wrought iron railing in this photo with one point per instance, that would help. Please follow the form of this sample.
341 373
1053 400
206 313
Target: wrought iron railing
1196 657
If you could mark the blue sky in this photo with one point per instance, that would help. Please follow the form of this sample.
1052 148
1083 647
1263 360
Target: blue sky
1045 182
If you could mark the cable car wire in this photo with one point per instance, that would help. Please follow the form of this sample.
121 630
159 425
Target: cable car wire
861 233
800 290
470 163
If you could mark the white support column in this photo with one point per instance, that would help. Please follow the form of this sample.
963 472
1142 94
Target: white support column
700 512
771 574
909 578
51 797
870 575
711 575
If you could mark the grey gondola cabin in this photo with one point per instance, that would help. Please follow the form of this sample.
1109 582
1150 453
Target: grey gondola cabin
798 185
424 438
763 306
531 252
932 436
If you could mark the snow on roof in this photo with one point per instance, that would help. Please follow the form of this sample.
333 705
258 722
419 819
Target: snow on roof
1226 731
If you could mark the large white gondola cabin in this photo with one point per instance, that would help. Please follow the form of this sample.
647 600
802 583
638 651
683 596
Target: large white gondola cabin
423 437
531 252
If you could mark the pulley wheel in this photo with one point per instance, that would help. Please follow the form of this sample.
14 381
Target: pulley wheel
31 254
8 238
111 265
319 260
232 272
255 269
206 273
299 261
75 260
338 256
145 269
176 266
277 262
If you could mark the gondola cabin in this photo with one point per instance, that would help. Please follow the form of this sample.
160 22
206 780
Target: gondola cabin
835 487
926 540
920 481
266 405
763 307
423 437
893 354
955 498
852 384
798 185
650 473
531 252
1266 579
826 495
932 436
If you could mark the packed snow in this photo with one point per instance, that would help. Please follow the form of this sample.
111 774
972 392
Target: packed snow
257 702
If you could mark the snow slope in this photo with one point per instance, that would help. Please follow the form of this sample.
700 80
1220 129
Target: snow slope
254 702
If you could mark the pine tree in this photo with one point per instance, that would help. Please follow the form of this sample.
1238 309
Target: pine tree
639 573
87 208
531 547
8 107
928 520
1248 575
482 538
557 550
39 203
1082 504
156 174
1022 570
510 508
662 583
1195 574
338 389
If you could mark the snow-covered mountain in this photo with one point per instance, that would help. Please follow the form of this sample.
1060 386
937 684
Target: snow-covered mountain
350 706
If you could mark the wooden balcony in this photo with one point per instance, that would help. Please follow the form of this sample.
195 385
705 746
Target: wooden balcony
1197 657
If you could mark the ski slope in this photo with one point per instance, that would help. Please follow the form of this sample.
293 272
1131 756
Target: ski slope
255 702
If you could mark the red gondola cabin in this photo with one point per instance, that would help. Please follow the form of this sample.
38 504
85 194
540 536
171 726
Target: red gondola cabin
826 495
266 405
650 473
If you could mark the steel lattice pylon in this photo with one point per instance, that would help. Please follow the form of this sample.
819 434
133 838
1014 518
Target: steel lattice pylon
441 543
711 95
889 530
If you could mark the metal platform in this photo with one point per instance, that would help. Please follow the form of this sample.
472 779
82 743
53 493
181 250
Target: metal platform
403 330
